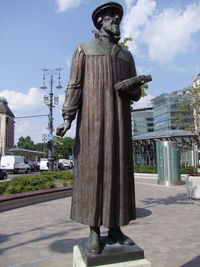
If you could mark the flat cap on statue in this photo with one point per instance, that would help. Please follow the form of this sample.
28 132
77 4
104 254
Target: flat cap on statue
108 5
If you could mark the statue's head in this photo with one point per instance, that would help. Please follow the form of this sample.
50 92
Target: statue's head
108 16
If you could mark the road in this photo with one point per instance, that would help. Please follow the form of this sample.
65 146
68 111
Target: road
12 175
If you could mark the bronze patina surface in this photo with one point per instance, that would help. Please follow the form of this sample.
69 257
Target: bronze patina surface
103 190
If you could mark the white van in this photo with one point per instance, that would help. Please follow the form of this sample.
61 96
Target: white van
14 164
44 164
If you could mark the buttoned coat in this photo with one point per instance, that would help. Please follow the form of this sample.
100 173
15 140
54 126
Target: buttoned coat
103 190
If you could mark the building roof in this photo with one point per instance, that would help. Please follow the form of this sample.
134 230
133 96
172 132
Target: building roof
142 109
26 151
165 135
4 107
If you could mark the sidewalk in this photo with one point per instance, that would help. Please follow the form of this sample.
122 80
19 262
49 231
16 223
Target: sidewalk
167 228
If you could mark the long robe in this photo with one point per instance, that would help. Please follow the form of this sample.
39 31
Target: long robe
103 190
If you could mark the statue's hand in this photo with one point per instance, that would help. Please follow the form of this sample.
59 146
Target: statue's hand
63 128
130 88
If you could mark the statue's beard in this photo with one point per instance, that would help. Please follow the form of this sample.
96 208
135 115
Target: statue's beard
112 29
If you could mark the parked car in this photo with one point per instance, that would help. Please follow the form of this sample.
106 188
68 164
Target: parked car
60 166
67 163
11 163
3 174
33 167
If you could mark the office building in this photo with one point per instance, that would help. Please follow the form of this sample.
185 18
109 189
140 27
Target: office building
142 120
164 112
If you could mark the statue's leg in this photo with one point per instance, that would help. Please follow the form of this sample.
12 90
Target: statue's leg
93 242
116 234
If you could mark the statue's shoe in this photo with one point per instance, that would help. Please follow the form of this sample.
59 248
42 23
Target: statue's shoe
93 242
117 235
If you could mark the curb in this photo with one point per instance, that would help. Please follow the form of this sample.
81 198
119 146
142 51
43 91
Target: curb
9 202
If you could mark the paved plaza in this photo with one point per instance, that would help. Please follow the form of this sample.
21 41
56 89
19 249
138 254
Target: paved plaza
167 228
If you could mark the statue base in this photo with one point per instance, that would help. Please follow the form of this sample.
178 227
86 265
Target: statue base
111 255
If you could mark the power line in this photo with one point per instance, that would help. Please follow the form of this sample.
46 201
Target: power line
46 115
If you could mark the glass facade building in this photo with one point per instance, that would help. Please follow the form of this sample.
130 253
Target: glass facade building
142 120
164 112
160 119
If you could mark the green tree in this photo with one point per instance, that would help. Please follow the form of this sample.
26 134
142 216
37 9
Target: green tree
26 143
188 115
124 42
41 147
188 109
63 147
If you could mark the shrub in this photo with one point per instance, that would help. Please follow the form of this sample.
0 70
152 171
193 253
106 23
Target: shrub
188 170
152 169
145 169
44 180
3 186
28 183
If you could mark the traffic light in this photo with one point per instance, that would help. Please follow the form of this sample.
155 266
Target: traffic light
49 144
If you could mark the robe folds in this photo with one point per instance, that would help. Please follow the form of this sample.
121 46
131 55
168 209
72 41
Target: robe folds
103 190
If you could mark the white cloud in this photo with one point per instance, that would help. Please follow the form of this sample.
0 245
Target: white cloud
63 5
32 104
33 127
21 103
143 102
136 16
166 34
170 33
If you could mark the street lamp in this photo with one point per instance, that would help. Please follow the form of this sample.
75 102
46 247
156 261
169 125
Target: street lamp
51 100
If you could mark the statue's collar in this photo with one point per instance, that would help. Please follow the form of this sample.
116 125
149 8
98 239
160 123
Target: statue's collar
106 37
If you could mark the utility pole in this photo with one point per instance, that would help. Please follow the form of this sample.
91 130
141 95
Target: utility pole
51 100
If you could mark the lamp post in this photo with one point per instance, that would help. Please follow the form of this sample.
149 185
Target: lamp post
51 100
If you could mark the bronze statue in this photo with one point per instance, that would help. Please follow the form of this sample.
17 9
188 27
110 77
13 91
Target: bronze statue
103 191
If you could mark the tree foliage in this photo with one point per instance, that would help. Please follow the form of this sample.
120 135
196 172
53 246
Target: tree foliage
188 115
41 147
63 147
25 143
124 42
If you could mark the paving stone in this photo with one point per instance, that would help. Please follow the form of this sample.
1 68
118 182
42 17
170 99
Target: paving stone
167 229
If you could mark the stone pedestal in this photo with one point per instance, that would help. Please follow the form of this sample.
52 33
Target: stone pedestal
112 255
193 187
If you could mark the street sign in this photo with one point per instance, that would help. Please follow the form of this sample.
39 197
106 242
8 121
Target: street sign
50 136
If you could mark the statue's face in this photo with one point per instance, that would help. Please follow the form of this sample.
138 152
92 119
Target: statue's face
111 22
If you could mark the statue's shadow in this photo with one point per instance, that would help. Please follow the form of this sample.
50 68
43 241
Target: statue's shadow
63 245
66 245
142 212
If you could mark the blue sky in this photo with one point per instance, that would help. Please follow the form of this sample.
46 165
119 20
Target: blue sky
37 34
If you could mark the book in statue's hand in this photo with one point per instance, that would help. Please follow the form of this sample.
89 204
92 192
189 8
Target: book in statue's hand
137 80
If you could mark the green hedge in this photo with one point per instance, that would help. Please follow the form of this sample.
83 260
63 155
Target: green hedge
188 170
145 169
153 169
44 180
